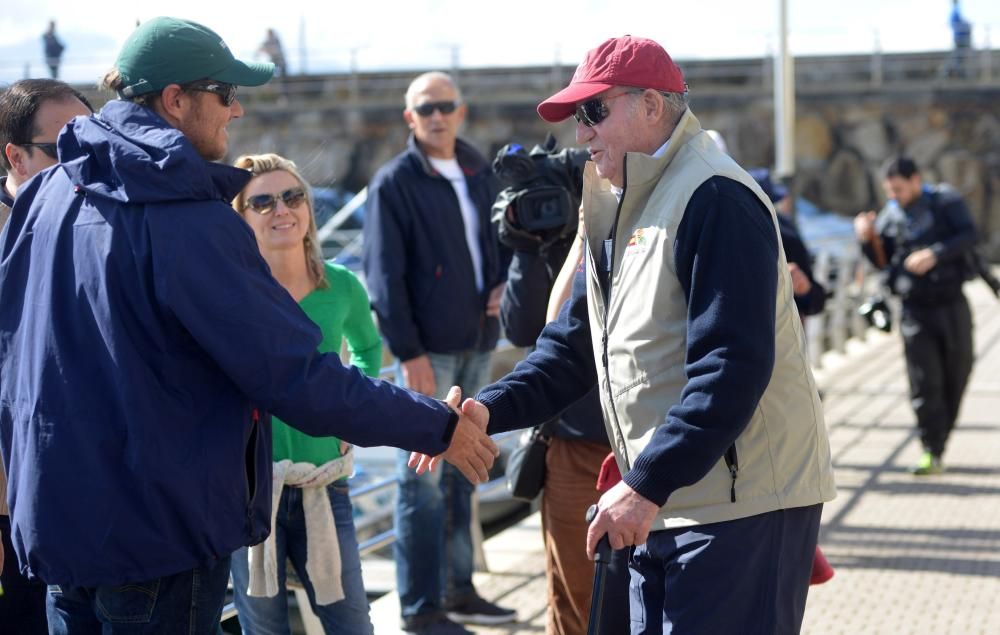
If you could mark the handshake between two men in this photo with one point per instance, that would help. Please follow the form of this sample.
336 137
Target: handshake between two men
471 451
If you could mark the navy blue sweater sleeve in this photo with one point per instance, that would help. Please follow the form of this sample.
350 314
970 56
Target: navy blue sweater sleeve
555 375
245 322
386 267
726 254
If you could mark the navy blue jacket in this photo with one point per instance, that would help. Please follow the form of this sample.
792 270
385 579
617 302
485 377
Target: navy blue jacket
142 341
418 269
730 344
522 311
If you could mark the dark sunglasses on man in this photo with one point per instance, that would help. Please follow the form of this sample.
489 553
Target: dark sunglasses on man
592 112
427 109
48 148
266 203
227 92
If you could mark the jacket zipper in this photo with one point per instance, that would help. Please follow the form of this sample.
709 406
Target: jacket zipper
250 461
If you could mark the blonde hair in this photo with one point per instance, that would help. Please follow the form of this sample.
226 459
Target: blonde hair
259 164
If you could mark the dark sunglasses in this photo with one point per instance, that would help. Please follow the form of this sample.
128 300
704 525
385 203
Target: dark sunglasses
226 91
427 109
265 203
48 148
590 113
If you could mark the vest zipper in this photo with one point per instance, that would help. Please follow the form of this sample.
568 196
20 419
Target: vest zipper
607 305
733 463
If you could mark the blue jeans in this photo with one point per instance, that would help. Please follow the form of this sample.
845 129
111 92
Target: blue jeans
187 602
749 575
433 545
269 616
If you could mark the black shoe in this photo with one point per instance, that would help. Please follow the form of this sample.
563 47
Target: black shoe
476 610
434 625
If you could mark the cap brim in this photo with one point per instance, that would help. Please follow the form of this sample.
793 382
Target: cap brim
562 105
246 74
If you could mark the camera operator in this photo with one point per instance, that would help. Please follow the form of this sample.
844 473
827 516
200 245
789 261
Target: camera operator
923 239
538 218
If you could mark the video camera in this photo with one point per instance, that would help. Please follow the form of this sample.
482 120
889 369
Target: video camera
542 191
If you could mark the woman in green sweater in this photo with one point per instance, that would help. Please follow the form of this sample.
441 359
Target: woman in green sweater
313 526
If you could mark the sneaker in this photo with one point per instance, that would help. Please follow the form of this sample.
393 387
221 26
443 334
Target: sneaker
927 465
437 625
476 610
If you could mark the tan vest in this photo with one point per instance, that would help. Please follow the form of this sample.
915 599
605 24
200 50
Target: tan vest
784 453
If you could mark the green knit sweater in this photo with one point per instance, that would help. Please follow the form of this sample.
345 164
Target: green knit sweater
341 311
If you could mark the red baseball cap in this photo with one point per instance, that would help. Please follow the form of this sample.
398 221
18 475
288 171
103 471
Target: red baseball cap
620 61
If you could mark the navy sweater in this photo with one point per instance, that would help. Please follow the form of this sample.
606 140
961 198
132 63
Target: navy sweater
725 254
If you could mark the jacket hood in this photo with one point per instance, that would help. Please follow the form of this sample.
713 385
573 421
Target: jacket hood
130 154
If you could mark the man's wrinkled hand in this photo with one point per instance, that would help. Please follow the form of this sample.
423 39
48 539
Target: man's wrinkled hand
472 451
624 515
921 261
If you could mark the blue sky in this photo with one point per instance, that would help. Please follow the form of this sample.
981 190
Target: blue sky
426 33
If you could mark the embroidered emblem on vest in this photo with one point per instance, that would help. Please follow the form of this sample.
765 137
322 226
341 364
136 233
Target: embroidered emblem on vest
637 243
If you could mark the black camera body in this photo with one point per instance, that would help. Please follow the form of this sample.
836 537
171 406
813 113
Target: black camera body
877 313
539 205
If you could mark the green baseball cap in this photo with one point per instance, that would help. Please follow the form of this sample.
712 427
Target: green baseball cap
165 51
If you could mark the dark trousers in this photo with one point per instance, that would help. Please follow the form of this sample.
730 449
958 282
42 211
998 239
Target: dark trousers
748 576
22 605
938 344
186 603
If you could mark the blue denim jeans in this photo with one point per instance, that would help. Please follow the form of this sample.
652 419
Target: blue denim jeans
433 547
269 616
749 575
187 602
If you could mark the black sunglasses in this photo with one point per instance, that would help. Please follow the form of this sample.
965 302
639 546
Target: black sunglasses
427 109
48 148
226 91
266 203
590 113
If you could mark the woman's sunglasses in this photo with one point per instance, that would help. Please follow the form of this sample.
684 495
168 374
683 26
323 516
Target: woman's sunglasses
265 203
444 107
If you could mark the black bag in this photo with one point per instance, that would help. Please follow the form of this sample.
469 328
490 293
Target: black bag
526 466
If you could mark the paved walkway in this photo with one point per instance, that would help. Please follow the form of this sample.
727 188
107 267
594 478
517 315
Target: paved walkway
912 555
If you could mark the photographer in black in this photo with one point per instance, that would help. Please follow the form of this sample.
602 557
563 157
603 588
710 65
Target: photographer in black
538 217
923 239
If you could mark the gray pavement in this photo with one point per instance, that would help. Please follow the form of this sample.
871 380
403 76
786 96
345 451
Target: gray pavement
912 554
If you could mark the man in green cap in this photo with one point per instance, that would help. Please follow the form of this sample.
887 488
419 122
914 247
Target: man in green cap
143 343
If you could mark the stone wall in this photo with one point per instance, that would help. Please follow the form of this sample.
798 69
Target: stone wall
851 114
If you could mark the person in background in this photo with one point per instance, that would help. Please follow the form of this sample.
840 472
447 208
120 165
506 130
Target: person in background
810 295
32 113
539 282
313 517
53 48
921 239
961 35
275 52
435 274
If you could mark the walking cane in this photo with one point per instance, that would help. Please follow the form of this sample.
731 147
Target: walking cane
602 557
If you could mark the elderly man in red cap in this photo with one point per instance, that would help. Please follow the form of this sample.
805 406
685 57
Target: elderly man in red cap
683 315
